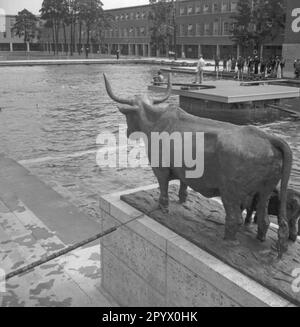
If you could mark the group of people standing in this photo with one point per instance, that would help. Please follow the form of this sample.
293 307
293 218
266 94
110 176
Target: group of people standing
252 65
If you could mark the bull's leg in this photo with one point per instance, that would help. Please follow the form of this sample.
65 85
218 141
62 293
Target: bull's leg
263 221
183 192
293 229
163 181
234 218
293 215
255 219
248 219
250 211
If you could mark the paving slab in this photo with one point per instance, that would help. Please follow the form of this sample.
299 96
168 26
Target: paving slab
18 184
36 222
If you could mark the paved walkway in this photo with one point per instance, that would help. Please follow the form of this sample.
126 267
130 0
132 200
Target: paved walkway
80 60
93 61
35 221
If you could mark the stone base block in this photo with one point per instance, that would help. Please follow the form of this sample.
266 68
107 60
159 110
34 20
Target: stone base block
146 264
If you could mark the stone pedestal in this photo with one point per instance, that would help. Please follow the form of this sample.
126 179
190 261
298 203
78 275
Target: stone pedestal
146 264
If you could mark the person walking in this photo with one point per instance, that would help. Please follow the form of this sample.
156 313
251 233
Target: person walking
118 54
87 50
200 69
224 64
217 63
256 64
240 66
233 65
263 66
277 67
282 65
229 62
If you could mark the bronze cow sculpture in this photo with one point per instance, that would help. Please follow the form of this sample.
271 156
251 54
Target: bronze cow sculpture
292 211
240 162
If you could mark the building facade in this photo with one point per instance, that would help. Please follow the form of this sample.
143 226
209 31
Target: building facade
9 41
202 26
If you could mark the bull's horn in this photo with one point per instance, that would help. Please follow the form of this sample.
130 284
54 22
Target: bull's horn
113 96
166 96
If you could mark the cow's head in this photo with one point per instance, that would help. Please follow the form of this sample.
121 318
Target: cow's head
140 111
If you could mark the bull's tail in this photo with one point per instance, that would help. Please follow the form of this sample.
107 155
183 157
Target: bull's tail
287 158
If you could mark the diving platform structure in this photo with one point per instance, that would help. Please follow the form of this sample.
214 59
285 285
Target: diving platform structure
234 101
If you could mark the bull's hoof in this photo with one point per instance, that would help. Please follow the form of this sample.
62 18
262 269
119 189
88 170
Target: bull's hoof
183 196
232 242
293 237
164 209
282 247
182 200
261 238
230 237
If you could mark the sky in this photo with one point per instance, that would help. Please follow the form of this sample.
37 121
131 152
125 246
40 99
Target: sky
12 7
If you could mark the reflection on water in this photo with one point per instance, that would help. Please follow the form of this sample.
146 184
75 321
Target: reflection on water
55 111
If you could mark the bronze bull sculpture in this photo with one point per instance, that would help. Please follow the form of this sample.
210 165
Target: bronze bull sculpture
240 162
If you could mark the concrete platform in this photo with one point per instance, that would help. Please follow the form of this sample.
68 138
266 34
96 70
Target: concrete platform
233 92
34 222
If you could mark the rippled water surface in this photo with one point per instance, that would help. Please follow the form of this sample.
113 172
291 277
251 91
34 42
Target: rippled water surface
51 117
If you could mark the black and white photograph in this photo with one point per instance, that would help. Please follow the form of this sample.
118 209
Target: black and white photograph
149 156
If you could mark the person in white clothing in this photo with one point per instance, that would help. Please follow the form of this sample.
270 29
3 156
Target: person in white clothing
200 68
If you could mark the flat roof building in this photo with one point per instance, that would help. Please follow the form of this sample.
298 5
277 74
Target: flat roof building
9 41
202 26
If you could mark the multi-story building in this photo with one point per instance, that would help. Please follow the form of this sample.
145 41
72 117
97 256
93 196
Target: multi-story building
9 41
129 31
202 26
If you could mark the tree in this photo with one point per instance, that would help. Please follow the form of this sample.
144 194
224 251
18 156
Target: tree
26 25
257 21
243 27
270 19
52 11
92 14
73 15
160 19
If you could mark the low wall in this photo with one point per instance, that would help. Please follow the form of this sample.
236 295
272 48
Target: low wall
147 264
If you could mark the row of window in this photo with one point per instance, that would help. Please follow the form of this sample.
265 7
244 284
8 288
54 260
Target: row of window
126 32
131 16
198 8
215 28
191 9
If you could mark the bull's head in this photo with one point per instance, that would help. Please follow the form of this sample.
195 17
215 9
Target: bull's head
140 111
